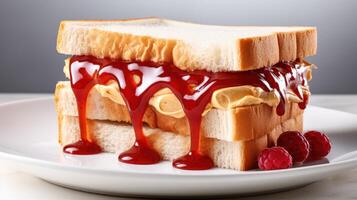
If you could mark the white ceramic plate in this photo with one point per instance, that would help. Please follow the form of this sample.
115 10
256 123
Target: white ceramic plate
28 142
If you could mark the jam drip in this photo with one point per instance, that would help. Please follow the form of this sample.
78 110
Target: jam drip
139 81
83 78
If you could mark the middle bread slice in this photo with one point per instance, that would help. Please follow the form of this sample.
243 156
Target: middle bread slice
236 124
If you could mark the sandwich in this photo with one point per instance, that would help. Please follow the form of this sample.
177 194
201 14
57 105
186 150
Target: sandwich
201 96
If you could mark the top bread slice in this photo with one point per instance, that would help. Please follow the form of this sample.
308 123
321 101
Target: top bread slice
188 46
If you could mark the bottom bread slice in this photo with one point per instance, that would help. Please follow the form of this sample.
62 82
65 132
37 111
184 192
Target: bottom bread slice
118 137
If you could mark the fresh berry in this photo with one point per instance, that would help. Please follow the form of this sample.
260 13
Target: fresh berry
274 158
319 143
296 144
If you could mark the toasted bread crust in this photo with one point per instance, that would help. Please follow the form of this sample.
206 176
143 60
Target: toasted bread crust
245 123
248 53
116 137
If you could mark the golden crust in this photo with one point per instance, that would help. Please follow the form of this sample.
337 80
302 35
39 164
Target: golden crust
258 52
306 43
246 122
288 43
251 150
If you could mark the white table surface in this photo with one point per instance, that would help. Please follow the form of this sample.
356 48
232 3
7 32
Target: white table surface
20 186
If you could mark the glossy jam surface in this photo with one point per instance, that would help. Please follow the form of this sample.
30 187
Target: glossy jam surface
82 147
139 81
140 154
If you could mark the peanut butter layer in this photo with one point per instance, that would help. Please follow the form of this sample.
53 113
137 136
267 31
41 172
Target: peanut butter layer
165 102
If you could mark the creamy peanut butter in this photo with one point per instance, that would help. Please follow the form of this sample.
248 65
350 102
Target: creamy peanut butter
165 102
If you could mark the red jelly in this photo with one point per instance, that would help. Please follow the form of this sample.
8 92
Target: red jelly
193 161
140 154
82 147
139 81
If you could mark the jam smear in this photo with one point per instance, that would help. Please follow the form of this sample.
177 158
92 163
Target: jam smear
139 81
303 104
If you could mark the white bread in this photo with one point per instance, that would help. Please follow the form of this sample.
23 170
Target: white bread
241 123
116 137
189 46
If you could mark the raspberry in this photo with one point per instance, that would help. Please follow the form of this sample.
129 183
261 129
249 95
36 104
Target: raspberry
274 158
320 144
296 144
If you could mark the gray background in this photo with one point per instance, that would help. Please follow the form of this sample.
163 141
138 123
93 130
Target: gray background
28 28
